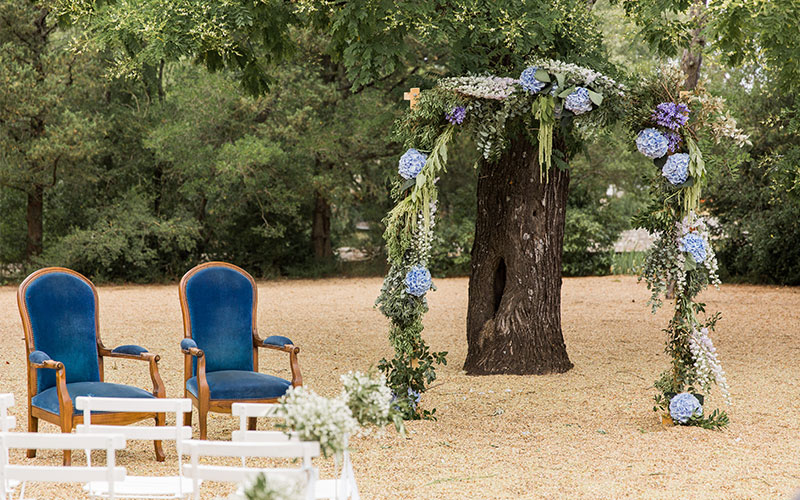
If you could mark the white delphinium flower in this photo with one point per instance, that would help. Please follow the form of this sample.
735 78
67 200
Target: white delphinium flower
424 236
707 366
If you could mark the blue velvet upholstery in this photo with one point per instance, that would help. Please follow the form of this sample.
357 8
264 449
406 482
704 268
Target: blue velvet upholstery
38 357
48 399
133 350
220 302
61 308
240 385
278 340
187 344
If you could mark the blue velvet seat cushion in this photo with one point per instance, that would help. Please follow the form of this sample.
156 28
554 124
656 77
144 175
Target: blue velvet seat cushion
48 399
240 384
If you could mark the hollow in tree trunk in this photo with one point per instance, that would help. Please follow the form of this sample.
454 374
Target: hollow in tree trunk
514 312
321 228
33 220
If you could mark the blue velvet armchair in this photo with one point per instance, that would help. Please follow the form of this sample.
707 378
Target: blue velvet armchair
65 355
221 343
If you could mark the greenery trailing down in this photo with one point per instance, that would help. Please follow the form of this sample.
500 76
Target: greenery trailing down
670 121
488 107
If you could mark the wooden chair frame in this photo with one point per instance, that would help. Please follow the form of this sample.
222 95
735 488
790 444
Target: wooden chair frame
65 418
203 402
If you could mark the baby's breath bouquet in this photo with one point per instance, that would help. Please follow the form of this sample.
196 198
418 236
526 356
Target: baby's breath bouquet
275 488
316 418
370 400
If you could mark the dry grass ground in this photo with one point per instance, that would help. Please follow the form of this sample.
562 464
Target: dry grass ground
589 433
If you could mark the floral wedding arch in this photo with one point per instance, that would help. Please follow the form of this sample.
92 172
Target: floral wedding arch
552 97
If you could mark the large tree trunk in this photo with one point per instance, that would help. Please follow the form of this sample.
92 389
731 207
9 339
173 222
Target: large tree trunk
514 313
321 228
33 218
693 55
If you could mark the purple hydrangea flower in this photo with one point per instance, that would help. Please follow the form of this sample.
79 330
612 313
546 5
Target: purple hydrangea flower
529 82
671 115
457 115
411 164
578 102
676 169
652 143
683 406
694 245
418 281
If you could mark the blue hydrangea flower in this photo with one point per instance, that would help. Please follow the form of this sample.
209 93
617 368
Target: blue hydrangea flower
695 245
457 115
414 397
671 115
529 82
676 169
682 406
652 143
411 163
418 281
578 102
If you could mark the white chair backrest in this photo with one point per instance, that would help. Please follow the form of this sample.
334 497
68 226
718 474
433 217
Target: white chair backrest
7 422
58 474
306 474
178 432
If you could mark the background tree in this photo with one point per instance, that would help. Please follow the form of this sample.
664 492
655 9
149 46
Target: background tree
47 128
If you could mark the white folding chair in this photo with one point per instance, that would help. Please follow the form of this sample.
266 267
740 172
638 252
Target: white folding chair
140 486
341 488
7 422
59 474
305 475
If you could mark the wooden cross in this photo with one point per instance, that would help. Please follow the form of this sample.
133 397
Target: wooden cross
412 96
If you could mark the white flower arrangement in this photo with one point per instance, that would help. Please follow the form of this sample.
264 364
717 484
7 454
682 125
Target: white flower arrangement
482 87
274 488
368 397
316 418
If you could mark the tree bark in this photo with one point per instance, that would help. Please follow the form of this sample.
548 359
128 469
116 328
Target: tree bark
693 55
321 228
33 220
514 311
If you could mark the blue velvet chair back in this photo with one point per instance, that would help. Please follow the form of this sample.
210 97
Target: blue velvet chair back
220 301
61 308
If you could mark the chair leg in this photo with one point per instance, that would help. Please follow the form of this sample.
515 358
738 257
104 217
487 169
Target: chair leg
33 426
187 419
161 419
202 417
252 422
66 428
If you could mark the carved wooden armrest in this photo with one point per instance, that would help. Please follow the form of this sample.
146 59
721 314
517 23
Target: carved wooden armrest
141 354
39 359
283 344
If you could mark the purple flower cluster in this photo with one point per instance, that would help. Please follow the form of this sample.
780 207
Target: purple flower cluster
675 141
457 115
671 115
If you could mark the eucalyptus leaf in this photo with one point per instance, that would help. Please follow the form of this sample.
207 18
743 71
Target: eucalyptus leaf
690 264
596 97
567 92
542 76
560 79
408 184
689 183
660 162
421 180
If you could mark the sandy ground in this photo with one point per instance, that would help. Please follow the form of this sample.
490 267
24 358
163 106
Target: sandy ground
589 433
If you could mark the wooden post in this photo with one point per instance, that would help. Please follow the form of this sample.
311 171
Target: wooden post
412 96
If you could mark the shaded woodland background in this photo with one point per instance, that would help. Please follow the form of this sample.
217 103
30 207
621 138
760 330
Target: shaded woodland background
137 179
